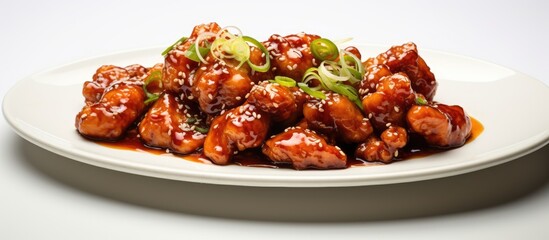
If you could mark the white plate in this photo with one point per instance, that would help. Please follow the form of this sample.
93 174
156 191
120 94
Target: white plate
511 106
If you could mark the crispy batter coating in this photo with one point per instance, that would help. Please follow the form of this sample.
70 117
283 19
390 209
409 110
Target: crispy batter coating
405 58
291 55
236 130
441 125
388 105
272 98
105 76
384 149
121 104
220 86
178 69
172 123
303 148
337 117
371 79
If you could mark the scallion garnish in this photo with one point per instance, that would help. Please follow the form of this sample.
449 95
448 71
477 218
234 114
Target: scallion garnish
324 49
420 100
265 67
155 75
289 82
284 81
192 54
333 75
310 91
168 49
201 129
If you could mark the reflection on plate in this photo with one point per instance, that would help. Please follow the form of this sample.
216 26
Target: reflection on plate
41 108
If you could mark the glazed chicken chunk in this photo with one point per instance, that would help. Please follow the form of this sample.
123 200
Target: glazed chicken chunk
337 117
105 76
280 102
178 68
371 79
119 107
173 123
405 58
303 148
291 55
441 125
385 149
388 105
235 130
221 85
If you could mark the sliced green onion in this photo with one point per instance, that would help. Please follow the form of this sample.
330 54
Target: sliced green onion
355 72
192 54
191 120
349 91
154 76
168 49
330 70
265 67
310 74
420 100
202 130
229 46
284 81
310 91
197 46
324 49
332 82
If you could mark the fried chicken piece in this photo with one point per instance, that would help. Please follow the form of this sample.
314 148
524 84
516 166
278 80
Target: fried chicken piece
303 148
178 69
337 117
173 123
388 105
105 76
291 55
405 58
221 85
137 71
441 125
235 130
384 149
272 98
371 79
120 105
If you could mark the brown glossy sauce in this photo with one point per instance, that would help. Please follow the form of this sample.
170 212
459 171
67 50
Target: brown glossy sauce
416 148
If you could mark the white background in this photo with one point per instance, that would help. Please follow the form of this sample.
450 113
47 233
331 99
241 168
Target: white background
46 196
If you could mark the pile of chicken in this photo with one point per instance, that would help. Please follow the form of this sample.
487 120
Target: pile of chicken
221 109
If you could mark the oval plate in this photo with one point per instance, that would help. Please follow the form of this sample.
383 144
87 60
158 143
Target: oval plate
511 106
